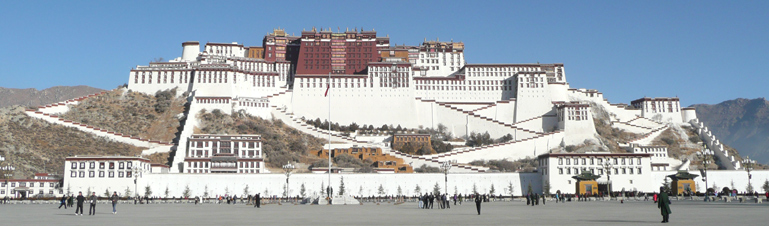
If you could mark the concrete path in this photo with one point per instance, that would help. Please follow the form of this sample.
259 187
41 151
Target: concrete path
496 213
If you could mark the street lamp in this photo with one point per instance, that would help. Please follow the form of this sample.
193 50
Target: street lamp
288 168
136 170
607 167
748 163
707 159
446 166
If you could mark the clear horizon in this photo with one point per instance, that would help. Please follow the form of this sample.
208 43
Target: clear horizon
700 51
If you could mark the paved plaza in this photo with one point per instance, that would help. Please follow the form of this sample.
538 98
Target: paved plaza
494 213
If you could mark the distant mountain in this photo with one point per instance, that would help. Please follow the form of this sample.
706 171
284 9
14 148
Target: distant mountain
740 123
34 97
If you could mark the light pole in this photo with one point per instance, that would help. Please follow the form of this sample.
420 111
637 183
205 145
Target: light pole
748 163
707 158
288 168
607 166
446 166
137 171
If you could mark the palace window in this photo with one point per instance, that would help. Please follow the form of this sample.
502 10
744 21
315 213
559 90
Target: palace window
74 174
111 174
91 174
101 173
92 165
74 165
82 174
82 165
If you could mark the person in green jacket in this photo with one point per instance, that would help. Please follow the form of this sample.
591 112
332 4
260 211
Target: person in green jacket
663 203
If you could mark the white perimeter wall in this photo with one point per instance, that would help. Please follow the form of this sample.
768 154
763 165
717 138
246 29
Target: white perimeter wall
274 183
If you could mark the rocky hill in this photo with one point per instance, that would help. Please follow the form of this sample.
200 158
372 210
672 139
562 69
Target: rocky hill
32 145
740 123
34 97
155 117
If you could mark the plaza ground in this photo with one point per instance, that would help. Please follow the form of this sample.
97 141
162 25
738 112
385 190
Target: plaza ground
493 213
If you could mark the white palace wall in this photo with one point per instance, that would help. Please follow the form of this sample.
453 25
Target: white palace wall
504 111
721 178
273 184
617 112
511 151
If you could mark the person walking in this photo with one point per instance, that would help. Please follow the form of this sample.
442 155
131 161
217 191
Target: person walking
80 199
543 198
92 200
114 200
528 199
257 201
63 202
71 200
663 203
478 203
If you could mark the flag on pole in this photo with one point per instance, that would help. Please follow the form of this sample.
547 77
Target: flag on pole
327 88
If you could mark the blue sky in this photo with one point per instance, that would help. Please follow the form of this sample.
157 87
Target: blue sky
700 51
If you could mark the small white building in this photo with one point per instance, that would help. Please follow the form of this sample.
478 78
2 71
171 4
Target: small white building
212 153
628 171
41 185
115 173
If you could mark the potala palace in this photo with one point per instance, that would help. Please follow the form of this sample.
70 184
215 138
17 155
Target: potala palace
358 77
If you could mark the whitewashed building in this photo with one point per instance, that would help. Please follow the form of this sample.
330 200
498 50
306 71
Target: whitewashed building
113 173
627 171
217 153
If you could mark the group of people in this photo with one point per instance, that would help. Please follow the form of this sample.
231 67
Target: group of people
426 201
533 199
69 201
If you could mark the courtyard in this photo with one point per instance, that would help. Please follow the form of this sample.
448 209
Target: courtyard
493 213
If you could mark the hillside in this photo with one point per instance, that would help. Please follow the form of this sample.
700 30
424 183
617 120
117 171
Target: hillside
740 123
34 97
32 145
153 117
280 142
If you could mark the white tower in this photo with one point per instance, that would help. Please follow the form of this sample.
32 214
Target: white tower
190 51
